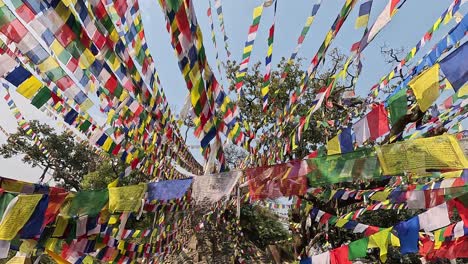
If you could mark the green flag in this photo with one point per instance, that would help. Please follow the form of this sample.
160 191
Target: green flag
88 203
397 105
358 249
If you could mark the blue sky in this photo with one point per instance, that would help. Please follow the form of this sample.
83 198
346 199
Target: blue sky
405 30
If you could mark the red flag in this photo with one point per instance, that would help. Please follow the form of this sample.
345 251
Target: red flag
378 122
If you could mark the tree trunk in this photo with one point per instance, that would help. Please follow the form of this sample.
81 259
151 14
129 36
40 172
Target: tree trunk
41 179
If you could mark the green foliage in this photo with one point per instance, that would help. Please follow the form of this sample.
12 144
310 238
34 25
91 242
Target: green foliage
74 164
70 160
261 226
264 124
108 171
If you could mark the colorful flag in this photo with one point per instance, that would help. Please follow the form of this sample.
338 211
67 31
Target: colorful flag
253 29
455 67
364 12
372 126
300 40
266 78
341 143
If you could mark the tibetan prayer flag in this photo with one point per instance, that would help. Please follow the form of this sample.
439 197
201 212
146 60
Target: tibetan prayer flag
55 202
340 255
7 64
382 20
248 47
364 12
426 87
434 153
397 105
361 131
18 76
381 240
455 67
168 190
361 164
17 214
29 87
342 143
41 97
323 258
5 200
88 203
358 249
212 188
434 218
408 233
278 180
34 225
372 126
127 198
378 121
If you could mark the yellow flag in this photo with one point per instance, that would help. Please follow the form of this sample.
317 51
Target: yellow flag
114 183
57 257
127 198
19 260
440 152
17 214
380 240
426 87
333 146
12 185
29 87
341 222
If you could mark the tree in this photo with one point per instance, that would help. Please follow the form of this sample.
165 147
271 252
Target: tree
108 171
261 226
69 159
264 126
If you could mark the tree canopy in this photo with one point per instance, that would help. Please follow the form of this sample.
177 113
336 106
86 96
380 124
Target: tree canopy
266 133
68 159
73 164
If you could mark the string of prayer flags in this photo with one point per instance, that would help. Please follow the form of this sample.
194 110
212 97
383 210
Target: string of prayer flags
253 29
455 68
447 15
219 11
204 95
382 20
266 78
322 95
435 153
213 37
300 40
364 13
320 55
